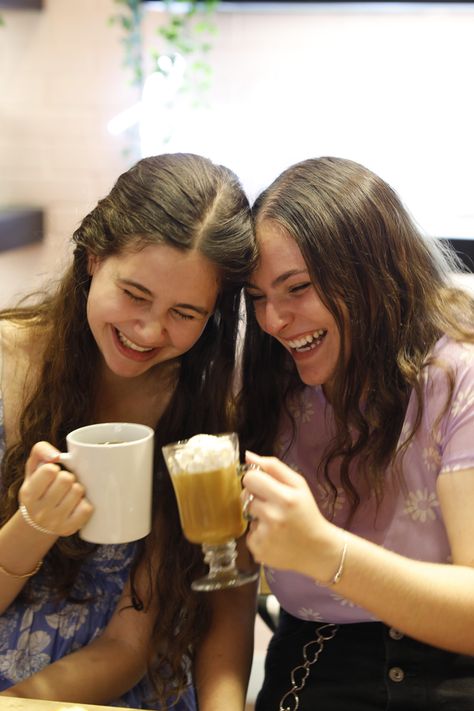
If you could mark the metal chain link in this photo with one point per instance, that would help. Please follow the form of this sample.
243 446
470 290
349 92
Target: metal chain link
299 674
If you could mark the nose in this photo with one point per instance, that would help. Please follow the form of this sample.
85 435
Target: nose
275 318
150 332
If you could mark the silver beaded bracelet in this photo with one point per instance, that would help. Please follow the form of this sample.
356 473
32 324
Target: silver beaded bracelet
27 518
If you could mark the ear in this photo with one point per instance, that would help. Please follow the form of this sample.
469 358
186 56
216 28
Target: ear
92 263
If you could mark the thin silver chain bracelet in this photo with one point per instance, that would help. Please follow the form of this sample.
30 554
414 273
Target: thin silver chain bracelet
311 652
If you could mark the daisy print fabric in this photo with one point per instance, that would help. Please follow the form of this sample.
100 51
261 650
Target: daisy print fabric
409 519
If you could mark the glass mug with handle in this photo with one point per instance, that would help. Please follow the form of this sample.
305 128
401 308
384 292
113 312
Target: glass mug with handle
206 477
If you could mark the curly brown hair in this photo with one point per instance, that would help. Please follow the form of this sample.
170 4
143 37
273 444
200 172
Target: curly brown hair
364 252
187 202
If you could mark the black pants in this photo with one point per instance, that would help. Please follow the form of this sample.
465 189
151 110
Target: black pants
365 667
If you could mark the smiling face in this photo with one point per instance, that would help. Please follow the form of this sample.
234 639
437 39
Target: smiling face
288 307
149 306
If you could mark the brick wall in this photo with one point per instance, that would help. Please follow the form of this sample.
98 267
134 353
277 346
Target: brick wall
60 82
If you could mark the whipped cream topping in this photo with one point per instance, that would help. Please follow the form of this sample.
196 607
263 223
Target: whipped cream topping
205 452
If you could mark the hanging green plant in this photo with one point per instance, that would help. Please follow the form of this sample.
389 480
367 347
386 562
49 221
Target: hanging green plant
175 71
187 34
129 20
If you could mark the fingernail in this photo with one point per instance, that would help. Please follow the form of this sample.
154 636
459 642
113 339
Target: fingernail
250 454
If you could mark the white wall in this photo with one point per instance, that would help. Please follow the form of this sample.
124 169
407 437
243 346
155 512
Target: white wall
387 85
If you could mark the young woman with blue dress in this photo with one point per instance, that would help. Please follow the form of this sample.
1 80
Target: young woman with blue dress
141 328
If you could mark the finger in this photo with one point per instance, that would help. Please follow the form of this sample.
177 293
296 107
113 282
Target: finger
275 467
253 540
41 453
60 486
265 487
78 516
71 499
37 484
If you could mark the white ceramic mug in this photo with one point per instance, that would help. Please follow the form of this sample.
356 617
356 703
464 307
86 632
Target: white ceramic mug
114 463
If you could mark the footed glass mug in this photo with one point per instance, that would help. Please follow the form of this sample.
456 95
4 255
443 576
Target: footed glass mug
206 474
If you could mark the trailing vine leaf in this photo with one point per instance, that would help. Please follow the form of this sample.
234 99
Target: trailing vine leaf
130 21
185 39
188 33
129 18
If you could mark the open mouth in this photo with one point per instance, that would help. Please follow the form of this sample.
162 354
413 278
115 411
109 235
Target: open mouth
130 344
308 342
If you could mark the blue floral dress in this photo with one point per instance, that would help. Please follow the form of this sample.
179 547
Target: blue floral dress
33 635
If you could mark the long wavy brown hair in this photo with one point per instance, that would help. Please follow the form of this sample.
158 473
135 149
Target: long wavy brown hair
363 251
187 202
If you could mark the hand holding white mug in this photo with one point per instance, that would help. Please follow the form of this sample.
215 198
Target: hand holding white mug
54 499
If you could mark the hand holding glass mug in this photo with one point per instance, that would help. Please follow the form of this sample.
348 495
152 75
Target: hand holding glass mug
206 474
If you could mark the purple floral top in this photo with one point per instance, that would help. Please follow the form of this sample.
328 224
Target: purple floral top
409 520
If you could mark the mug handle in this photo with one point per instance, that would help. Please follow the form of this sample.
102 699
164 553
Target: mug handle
243 468
65 458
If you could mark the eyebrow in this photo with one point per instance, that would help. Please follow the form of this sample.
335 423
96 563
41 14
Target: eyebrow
198 309
136 285
281 278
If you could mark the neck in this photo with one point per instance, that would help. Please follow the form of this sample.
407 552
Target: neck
142 399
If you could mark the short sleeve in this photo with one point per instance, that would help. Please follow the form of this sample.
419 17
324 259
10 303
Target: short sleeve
457 424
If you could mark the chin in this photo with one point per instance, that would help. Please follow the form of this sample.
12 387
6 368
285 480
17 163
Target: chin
311 379
308 380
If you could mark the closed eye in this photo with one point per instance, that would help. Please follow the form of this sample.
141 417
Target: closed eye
133 297
299 287
253 296
183 316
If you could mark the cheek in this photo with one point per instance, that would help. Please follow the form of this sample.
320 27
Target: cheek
259 313
188 334
101 309
91 307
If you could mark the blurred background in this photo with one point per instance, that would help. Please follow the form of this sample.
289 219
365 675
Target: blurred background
87 88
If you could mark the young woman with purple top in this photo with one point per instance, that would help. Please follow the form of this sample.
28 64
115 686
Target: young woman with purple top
359 376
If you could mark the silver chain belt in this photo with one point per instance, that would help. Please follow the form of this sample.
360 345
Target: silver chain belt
290 701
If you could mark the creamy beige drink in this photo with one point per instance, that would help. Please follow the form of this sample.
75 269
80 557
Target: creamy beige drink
207 486
209 504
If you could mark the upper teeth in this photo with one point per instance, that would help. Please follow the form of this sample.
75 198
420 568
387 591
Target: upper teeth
132 345
305 340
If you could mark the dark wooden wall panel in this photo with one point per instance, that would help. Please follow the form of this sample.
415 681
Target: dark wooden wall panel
20 226
22 4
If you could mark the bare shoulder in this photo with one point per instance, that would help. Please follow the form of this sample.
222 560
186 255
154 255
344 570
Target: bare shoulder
17 339
21 349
